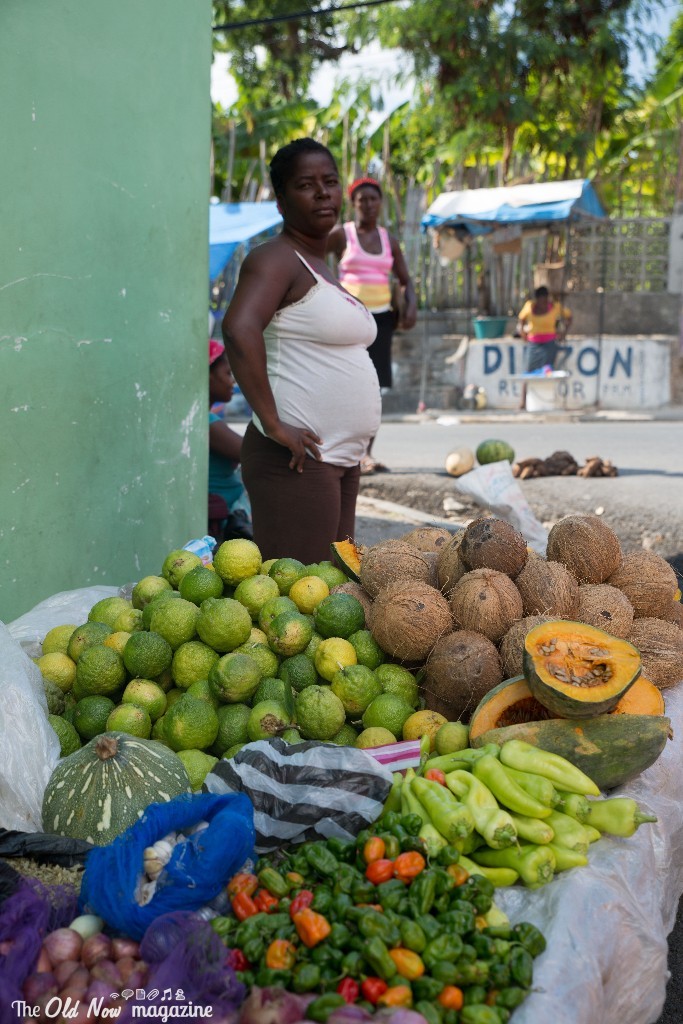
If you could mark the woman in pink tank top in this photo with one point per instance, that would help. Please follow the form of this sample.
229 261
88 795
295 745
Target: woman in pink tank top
367 257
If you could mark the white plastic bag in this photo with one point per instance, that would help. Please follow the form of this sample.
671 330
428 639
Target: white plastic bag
29 749
495 487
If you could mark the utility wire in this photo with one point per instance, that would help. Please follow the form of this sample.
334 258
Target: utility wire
298 15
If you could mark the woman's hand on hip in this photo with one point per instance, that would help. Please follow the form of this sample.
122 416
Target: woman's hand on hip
301 442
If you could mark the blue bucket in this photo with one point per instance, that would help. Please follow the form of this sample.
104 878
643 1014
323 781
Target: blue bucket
489 326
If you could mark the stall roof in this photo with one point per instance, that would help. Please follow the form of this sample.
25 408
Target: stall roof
230 224
481 209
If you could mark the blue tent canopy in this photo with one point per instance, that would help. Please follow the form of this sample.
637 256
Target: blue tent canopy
230 224
481 210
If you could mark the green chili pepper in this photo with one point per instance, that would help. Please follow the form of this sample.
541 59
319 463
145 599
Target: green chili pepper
491 772
479 1014
533 829
339 936
253 949
451 818
444 972
476 973
373 924
527 758
422 892
325 955
483 945
392 846
353 964
521 966
273 881
529 937
377 957
449 855
490 820
499 877
391 893
322 899
566 858
474 995
510 997
305 977
535 865
447 946
346 878
393 818
412 823
265 977
573 804
619 816
224 926
392 804
458 922
342 849
430 926
470 843
426 988
411 806
340 906
568 832
463 758
499 975
321 1008
321 860
412 936
272 922
363 891
430 1011
536 785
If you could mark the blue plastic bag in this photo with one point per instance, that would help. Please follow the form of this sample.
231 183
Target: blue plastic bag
196 873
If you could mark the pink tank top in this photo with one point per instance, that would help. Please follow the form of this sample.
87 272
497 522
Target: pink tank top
367 274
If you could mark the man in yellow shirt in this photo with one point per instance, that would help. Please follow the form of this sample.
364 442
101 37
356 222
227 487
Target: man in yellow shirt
541 323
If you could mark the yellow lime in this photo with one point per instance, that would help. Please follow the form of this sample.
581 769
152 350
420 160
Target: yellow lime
85 636
267 565
375 737
177 564
423 723
237 560
128 620
147 588
333 654
450 737
254 592
131 719
190 724
147 655
57 639
289 633
200 583
223 623
286 571
389 712
108 610
197 765
100 671
319 713
117 641
257 636
60 669
192 662
308 592
146 695
175 621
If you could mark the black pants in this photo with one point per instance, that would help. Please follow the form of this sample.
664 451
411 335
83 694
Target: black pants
380 350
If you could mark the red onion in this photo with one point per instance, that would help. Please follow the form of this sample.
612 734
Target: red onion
100 989
97 947
274 1006
64 944
126 965
78 982
107 970
38 984
44 963
64 971
138 977
124 947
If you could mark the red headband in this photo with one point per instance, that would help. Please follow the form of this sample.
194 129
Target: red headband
215 350
364 181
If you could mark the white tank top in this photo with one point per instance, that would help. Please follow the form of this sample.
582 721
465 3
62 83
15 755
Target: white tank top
320 372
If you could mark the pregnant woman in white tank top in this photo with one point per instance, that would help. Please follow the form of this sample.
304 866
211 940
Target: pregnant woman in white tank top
297 344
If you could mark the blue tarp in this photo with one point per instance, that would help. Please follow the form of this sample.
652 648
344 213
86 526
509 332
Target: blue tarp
482 209
230 224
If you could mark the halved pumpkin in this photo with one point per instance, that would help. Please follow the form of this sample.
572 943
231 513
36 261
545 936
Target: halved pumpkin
347 556
576 670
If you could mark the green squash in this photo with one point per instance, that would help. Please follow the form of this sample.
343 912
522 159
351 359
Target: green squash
578 671
494 451
347 556
102 789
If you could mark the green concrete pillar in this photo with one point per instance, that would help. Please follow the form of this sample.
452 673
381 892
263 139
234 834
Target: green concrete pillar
104 172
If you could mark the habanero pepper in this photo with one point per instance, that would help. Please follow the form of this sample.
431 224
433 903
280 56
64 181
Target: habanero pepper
477 994
280 955
322 899
391 893
237 960
427 988
339 936
449 855
476 973
254 949
392 845
412 823
451 998
408 963
479 1014
430 1013
380 870
265 902
266 977
430 926
435 775
363 891
396 995
300 902
521 965
372 924
392 818
349 990
311 927
343 849
444 947
340 906
346 878
408 866
510 997
243 905
458 873
242 882
353 964
374 850
372 989
412 936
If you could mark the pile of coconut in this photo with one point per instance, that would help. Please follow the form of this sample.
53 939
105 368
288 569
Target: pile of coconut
459 606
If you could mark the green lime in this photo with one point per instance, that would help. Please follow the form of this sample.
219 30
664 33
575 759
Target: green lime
158 730
191 662
231 751
197 765
90 716
232 727
367 649
274 689
173 695
266 659
398 680
234 678
85 636
223 623
131 719
376 737
56 701
333 654
451 736
254 592
117 641
108 610
328 572
273 607
356 687
57 639
346 737
267 718
202 691
147 611
165 680
292 736
299 671
200 583
177 564
100 671
286 571
190 724
146 695
289 633
319 713
128 621
257 636
146 589
147 655
58 669
339 615
69 740
389 712
313 646
237 560
175 621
